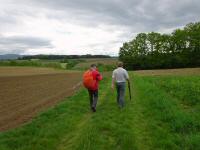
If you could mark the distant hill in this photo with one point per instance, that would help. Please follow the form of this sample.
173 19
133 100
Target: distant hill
9 56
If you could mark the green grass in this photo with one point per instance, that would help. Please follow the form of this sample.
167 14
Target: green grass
104 64
163 114
171 124
34 63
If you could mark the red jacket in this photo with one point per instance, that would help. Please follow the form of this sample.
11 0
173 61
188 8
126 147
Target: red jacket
97 77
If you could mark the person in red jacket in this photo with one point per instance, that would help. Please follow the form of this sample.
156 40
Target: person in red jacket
93 92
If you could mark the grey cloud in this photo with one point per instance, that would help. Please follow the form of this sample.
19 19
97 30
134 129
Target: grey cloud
98 11
11 51
7 20
134 14
19 44
25 41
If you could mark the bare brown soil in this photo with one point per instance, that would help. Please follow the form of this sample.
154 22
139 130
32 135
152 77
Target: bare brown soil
25 71
185 71
26 93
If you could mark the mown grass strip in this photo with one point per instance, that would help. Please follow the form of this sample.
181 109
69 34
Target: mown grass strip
70 139
109 128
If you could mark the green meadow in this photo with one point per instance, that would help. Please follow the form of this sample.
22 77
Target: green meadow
104 64
163 114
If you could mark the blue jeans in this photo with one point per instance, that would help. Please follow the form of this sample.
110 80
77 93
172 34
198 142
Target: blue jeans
120 93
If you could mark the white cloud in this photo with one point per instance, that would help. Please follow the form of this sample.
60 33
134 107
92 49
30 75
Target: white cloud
82 27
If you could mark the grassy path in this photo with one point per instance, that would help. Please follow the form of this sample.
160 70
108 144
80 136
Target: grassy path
155 119
109 128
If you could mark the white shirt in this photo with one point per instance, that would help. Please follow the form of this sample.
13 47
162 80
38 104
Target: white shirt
120 75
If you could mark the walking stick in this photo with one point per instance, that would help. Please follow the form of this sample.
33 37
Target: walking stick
129 88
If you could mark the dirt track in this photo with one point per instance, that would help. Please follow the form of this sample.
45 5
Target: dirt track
22 97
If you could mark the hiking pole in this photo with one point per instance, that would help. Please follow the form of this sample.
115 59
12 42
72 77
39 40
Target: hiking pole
129 88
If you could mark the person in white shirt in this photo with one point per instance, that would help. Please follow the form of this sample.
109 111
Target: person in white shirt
119 77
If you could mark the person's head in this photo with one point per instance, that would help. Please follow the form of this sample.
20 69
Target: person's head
93 66
120 64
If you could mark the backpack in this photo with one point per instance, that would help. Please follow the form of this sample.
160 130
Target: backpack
88 80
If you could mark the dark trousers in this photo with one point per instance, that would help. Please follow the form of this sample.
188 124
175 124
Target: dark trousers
120 93
93 98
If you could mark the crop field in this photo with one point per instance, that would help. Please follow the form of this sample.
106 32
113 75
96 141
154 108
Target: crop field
88 62
26 91
163 114
26 71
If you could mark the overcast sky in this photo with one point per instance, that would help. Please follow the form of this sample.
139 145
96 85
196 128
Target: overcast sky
86 26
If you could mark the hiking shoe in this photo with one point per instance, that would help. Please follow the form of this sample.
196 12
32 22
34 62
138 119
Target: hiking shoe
93 109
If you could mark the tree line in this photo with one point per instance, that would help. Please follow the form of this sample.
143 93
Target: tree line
55 57
154 50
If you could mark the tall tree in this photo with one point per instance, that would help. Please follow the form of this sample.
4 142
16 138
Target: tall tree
155 50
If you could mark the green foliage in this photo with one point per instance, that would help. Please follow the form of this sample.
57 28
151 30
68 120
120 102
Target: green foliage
84 64
69 64
155 50
102 67
32 63
72 62
60 57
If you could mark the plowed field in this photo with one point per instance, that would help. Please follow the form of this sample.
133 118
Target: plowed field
28 92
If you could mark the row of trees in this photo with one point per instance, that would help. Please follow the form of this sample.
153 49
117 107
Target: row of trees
55 57
153 50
